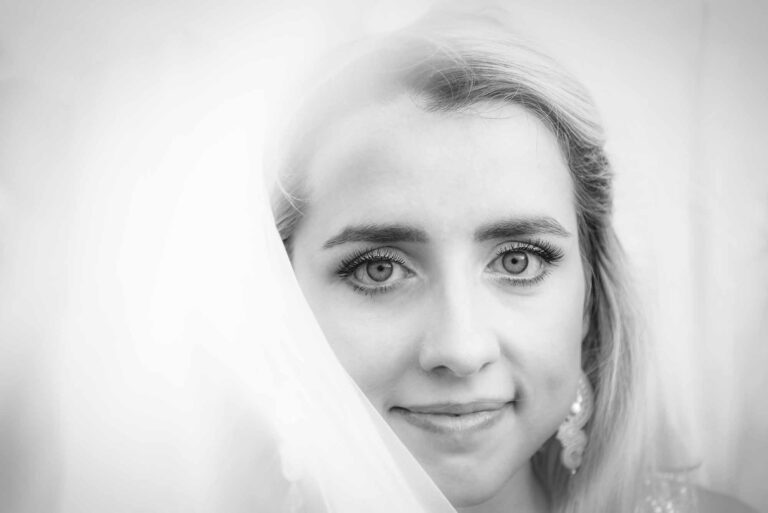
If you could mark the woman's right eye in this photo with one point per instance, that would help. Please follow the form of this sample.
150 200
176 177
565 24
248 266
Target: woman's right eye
375 271
379 272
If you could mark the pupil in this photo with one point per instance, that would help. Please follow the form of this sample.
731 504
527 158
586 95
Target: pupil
379 271
515 262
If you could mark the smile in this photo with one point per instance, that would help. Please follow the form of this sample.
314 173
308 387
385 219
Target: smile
455 418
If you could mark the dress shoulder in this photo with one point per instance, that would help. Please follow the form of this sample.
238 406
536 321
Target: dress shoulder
674 492
668 492
713 502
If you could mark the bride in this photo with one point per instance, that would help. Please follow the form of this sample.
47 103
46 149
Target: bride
446 204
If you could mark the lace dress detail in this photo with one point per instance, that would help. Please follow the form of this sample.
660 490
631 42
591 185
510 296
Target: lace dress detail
669 492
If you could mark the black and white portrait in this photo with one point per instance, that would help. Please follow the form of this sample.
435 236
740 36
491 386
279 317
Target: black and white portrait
425 256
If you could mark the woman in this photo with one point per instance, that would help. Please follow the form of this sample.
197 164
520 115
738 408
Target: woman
446 203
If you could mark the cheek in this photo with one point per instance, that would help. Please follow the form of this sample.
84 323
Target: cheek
376 349
375 343
559 365
544 337
551 361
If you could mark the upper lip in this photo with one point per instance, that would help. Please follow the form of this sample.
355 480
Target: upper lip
457 408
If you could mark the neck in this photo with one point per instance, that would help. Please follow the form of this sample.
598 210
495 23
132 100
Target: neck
523 493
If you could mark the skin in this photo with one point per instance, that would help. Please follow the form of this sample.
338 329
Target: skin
455 325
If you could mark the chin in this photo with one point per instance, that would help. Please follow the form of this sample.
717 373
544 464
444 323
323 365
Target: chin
466 486
468 498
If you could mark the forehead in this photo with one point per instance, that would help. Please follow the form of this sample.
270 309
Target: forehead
445 171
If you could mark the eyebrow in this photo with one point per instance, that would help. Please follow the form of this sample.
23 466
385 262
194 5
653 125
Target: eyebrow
380 234
392 233
518 227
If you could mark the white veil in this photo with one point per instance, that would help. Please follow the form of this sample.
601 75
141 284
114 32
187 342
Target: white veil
185 371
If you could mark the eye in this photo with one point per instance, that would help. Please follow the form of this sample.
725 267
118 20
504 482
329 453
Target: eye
377 271
518 264
524 263
514 262
374 271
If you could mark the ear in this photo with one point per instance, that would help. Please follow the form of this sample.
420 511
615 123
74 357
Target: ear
586 323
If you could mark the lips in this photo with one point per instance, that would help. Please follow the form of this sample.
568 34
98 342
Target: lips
457 408
455 418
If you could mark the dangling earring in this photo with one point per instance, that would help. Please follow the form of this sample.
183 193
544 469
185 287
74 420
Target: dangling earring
570 433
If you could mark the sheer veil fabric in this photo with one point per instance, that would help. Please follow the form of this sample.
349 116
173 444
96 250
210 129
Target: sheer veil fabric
157 354
190 374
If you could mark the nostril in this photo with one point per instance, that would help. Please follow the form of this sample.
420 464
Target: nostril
456 365
459 339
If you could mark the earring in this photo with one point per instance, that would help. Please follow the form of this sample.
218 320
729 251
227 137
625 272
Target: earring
570 433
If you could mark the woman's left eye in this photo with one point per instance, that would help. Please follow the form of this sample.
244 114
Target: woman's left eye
523 263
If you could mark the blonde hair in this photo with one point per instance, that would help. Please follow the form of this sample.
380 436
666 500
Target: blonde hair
450 63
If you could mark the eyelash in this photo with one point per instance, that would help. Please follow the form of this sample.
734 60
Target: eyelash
356 259
350 264
547 252
372 291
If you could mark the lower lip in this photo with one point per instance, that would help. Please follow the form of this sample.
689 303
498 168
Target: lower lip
453 424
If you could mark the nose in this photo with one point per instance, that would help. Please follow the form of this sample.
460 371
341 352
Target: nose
459 338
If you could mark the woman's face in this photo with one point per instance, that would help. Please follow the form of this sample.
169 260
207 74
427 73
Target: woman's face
439 252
